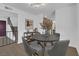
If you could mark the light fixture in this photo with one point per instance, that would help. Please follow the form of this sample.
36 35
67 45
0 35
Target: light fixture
37 5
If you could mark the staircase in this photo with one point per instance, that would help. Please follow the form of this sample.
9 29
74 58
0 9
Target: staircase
14 29
11 36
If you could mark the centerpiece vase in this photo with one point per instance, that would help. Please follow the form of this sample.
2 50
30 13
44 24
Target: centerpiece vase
47 32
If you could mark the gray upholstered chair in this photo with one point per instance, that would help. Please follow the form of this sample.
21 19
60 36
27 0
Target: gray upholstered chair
55 36
71 51
30 51
59 48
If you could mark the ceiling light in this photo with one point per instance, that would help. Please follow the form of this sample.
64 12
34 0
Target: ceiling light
37 5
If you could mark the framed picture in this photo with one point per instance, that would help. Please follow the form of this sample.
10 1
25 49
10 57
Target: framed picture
29 24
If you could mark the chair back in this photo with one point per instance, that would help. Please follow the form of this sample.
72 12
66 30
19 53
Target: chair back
57 36
59 48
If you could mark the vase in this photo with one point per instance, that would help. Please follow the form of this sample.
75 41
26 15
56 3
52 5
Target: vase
47 32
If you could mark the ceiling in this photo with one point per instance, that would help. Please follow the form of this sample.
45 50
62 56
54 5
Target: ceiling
48 8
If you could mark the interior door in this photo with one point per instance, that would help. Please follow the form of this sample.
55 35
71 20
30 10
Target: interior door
2 28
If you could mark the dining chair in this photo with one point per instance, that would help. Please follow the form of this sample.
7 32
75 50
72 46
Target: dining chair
72 51
59 48
55 36
30 51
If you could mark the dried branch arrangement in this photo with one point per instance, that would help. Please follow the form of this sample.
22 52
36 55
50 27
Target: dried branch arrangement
47 23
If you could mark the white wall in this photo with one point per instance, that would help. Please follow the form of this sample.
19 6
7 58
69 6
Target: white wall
66 24
78 25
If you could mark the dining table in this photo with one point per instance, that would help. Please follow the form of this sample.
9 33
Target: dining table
42 41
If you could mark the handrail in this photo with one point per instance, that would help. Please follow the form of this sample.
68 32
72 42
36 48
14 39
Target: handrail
13 28
7 39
